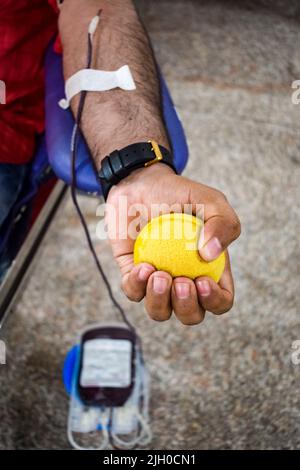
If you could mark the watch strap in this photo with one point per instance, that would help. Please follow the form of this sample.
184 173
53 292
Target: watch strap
120 163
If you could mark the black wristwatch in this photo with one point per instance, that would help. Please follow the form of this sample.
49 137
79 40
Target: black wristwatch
120 163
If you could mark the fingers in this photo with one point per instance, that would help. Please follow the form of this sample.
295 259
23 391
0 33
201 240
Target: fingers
161 295
134 283
217 298
185 302
187 298
158 296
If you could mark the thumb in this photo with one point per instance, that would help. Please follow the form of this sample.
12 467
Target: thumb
218 232
221 224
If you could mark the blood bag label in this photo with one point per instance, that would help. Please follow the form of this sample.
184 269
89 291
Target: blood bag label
106 363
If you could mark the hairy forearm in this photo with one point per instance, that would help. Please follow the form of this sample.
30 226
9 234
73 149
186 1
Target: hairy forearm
116 118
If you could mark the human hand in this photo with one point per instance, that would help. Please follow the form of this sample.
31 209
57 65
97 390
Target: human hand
189 299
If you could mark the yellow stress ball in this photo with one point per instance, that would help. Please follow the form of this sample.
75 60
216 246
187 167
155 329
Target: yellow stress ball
170 243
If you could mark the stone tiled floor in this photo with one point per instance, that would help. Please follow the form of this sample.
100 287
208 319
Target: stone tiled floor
228 383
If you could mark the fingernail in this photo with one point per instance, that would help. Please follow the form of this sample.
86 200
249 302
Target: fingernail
212 249
203 288
144 273
182 290
160 285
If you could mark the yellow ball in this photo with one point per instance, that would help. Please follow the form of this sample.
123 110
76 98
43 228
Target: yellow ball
170 243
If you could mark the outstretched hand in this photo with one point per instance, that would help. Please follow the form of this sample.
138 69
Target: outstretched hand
159 186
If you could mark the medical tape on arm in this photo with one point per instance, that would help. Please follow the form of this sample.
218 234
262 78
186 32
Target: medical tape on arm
97 80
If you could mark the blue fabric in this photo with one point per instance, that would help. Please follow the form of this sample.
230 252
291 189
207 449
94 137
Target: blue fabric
19 185
11 182
59 126
69 367
38 172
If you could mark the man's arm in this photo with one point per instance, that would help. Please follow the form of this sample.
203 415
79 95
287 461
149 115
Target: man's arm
113 119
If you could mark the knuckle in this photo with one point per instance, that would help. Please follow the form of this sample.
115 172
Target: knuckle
159 317
224 309
192 320
136 298
124 288
236 226
157 313
133 296
220 196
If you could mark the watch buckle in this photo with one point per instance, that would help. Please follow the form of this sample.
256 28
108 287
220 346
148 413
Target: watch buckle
157 153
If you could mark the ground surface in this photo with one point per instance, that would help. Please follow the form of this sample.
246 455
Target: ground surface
228 383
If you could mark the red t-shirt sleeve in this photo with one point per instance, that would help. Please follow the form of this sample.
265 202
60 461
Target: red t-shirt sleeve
53 3
57 45
26 29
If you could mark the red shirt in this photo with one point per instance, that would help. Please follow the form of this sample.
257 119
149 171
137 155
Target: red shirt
26 28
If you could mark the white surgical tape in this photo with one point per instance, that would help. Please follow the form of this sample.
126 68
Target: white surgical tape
97 80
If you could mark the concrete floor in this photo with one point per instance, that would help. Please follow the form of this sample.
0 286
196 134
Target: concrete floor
228 383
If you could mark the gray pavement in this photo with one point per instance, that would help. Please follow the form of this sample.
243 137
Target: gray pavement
229 382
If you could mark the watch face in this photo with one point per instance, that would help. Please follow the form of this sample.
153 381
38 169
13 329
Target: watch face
107 366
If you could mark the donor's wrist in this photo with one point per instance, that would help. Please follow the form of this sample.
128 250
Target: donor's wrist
121 164
138 183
